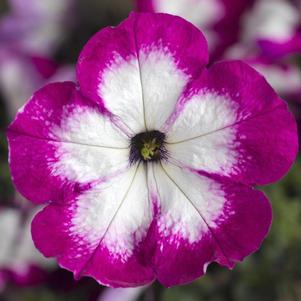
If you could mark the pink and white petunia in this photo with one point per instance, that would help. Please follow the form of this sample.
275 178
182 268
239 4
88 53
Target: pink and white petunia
219 20
149 163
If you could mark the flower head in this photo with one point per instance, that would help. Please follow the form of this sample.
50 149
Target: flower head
148 147
150 162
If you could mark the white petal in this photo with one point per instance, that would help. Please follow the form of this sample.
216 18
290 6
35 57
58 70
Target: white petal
202 114
82 163
162 84
213 153
189 203
91 147
116 213
122 92
84 125
143 93
201 137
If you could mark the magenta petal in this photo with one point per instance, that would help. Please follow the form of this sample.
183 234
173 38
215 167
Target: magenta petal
51 153
28 138
254 140
218 19
224 235
271 144
136 70
266 130
183 40
231 242
51 231
101 232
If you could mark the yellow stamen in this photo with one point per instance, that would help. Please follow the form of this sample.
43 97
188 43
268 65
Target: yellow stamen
148 149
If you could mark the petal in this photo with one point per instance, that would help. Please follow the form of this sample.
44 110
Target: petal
59 140
100 233
202 220
233 124
138 71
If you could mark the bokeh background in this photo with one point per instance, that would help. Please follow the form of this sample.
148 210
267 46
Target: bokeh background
40 41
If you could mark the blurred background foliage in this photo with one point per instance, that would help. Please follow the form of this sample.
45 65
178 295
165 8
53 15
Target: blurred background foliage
271 274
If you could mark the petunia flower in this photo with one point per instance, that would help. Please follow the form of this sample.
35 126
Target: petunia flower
149 163
219 20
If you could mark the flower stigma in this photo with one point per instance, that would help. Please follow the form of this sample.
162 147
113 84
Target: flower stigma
148 147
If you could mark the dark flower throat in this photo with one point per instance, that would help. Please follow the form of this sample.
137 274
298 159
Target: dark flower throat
148 147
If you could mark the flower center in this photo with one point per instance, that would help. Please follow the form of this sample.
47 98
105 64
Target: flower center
147 147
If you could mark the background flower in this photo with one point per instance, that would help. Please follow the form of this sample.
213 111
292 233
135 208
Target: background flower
19 260
37 27
29 35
